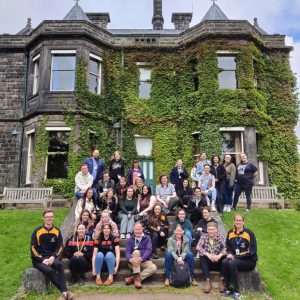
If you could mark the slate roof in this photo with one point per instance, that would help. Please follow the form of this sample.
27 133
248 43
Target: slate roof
214 13
76 13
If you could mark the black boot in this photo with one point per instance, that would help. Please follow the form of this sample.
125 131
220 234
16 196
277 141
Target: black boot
154 255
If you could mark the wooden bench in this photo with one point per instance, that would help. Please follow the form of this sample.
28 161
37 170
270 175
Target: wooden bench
264 194
27 196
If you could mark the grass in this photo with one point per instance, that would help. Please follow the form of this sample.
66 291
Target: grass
16 228
278 239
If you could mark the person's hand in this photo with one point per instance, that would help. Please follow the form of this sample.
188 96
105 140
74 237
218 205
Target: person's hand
209 256
199 229
140 214
230 256
180 261
185 206
215 258
51 260
116 269
46 262
129 216
162 234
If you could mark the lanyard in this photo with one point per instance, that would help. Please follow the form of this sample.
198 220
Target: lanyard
137 242
238 241
78 248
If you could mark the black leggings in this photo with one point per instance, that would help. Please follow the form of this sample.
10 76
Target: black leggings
207 265
230 268
79 265
59 279
157 240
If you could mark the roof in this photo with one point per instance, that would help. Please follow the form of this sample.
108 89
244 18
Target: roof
76 13
27 29
258 28
214 13
145 31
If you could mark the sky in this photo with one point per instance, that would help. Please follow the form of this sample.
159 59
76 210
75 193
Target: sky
274 16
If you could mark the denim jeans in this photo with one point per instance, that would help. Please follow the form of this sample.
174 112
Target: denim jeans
109 260
169 259
188 234
212 194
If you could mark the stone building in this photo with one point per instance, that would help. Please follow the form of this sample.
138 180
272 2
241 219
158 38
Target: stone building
153 93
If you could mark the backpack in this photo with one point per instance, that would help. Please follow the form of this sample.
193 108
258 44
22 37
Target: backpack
180 275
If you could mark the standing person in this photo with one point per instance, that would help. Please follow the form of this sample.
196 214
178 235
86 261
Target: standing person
219 171
178 251
207 184
200 166
46 247
246 172
116 167
86 202
194 174
229 183
166 194
83 180
178 174
128 209
135 172
241 256
138 252
95 167
212 250
106 254
79 250
158 226
104 184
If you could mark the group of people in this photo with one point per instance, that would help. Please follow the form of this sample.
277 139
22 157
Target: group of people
112 207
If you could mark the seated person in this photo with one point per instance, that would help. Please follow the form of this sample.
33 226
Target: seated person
241 247
135 172
158 227
185 193
128 209
86 202
138 252
185 224
109 202
83 180
104 184
138 187
207 184
121 188
195 205
201 226
106 219
178 251
146 201
106 255
45 248
87 220
79 250
212 251
166 194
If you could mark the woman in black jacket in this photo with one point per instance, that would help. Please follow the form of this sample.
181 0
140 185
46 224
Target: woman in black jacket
185 193
116 167
219 171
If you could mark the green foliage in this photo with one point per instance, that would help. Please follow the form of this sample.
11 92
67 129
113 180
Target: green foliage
177 108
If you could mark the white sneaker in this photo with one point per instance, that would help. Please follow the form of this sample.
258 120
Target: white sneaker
197 256
128 236
229 208
122 236
213 206
225 208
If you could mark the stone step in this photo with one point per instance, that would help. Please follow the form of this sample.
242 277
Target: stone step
60 202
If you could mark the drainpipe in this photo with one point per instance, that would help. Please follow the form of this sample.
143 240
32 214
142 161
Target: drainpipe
24 105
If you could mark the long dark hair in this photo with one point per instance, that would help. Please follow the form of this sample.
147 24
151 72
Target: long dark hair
85 195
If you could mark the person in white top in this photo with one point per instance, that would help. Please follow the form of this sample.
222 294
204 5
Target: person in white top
83 180
86 202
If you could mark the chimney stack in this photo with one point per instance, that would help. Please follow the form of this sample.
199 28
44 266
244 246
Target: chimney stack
182 20
99 19
157 20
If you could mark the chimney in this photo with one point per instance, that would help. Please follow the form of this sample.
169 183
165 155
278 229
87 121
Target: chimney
157 20
99 19
182 20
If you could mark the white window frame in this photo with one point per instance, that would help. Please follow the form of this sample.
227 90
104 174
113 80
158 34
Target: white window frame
63 53
30 154
221 53
36 74
99 75
144 65
49 128
261 173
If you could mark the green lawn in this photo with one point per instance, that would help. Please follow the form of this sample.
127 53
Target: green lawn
16 228
278 239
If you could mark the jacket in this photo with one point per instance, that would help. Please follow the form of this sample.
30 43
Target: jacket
82 182
172 247
145 247
115 230
176 178
185 225
101 167
86 247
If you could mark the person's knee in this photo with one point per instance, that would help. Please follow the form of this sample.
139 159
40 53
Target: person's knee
232 264
152 268
100 255
136 253
110 256
189 256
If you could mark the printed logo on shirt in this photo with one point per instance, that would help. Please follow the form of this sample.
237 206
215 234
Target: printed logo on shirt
52 240
241 169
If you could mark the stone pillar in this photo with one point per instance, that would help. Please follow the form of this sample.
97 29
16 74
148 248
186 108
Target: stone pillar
157 20
182 20
34 281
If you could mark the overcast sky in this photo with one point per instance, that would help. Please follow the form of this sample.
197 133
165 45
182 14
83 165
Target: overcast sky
274 16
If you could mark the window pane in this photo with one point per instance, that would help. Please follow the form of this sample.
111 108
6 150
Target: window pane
144 90
145 74
93 83
57 166
231 142
63 62
226 62
94 66
144 146
36 77
58 141
63 80
227 80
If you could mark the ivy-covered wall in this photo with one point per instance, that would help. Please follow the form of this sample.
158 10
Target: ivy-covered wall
175 109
